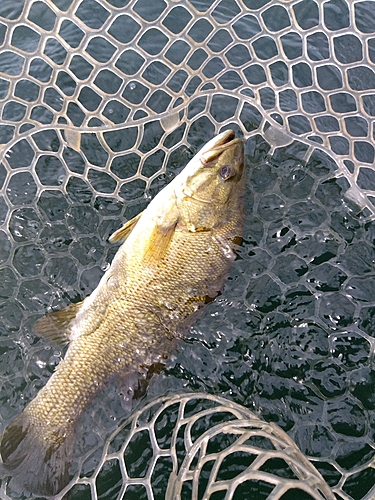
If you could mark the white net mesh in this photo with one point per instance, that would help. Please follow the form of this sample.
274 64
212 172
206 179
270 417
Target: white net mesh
195 455
102 102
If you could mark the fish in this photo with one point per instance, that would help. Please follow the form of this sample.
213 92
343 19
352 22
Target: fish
174 258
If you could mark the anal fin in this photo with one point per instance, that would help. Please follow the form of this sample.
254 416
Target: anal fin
54 326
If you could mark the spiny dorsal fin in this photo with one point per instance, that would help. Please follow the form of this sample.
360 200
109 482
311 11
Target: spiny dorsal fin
124 231
54 326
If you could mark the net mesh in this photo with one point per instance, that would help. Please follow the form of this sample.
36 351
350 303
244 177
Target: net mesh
102 102
196 456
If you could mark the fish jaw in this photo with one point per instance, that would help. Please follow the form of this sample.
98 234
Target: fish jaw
219 141
211 190
224 145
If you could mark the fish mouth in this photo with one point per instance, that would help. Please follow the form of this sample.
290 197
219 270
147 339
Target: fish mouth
218 145
225 137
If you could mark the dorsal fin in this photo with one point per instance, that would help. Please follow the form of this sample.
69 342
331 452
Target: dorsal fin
54 326
124 231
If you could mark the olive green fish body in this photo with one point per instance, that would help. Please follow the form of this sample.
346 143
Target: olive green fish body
175 258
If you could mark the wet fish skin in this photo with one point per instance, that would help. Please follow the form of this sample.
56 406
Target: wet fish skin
175 258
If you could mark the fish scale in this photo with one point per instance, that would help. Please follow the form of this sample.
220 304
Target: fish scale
174 259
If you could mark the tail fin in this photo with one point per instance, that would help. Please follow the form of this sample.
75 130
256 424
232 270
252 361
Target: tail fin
37 458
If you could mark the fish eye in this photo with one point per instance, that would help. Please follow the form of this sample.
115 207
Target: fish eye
225 172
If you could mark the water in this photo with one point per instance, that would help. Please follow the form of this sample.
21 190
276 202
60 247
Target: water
292 335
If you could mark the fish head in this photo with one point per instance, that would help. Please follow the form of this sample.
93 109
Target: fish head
212 185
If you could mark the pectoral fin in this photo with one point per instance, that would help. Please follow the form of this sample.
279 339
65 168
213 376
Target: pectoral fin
124 231
54 326
159 243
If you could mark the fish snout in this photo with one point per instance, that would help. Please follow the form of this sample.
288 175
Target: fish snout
219 144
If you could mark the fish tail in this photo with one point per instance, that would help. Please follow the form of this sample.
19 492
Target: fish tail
36 457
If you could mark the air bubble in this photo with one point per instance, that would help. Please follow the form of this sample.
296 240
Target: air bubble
112 282
41 364
53 361
132 86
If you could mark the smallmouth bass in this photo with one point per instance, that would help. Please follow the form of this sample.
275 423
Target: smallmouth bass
174 259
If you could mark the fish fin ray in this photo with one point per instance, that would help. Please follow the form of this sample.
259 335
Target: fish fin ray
132 385
54 326
124 231
37 462
159 243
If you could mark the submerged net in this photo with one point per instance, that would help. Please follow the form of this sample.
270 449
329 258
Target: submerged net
102 102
